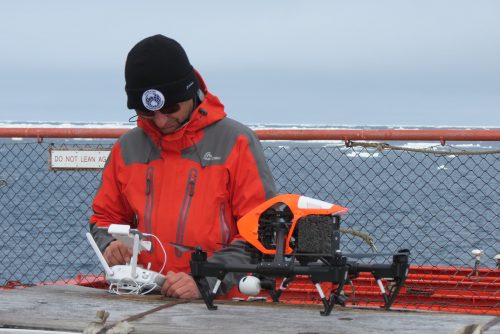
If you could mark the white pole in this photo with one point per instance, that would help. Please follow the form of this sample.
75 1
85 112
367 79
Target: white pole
135 252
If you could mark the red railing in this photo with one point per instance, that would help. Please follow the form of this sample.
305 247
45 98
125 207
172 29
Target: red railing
440 135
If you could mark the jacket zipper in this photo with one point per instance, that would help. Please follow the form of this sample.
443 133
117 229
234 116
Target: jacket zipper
148 211
224 229
186 204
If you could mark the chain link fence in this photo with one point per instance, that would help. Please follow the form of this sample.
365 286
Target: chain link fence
441 202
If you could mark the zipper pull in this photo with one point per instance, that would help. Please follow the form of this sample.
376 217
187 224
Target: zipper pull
191 188
192 181
148 186
149 173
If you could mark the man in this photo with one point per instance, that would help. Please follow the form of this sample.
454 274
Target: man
186 173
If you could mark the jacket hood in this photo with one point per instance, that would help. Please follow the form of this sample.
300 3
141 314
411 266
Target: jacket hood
209 111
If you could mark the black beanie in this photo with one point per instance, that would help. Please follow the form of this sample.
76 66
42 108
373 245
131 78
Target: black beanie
158 74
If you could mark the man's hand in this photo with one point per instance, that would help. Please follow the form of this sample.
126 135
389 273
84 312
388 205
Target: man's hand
180 285
117 253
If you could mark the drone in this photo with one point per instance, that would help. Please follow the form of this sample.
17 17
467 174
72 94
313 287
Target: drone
290 235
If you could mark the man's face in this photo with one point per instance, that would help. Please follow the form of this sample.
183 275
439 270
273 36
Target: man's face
170 119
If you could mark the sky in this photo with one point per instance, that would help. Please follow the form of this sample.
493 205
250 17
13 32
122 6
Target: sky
353 62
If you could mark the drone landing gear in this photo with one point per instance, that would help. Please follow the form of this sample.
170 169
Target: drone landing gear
335 298
207 295
393 291
400 268
395 272
269 284
200 269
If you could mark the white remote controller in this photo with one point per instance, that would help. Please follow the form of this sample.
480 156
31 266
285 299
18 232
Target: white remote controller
129 277
122 274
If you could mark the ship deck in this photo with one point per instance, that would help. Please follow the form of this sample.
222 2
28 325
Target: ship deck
71 308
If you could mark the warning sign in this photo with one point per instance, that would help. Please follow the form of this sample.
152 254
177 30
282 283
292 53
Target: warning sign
77 159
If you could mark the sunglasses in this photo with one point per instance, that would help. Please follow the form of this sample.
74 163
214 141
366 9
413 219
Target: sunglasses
165 111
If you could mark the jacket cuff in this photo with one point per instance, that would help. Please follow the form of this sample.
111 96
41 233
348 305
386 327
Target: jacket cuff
101 237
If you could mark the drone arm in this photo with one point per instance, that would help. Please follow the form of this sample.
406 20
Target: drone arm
336 272
201 270
397 270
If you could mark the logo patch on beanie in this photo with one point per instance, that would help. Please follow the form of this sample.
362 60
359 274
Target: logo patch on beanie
153 99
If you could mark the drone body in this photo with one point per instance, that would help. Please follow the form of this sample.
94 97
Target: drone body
288 210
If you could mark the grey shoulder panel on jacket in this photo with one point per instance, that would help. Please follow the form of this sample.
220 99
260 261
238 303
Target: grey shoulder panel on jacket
218 142
137 147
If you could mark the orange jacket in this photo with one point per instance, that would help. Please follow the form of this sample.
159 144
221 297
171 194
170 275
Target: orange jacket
188 187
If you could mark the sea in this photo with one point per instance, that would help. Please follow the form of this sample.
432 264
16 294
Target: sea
441 202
